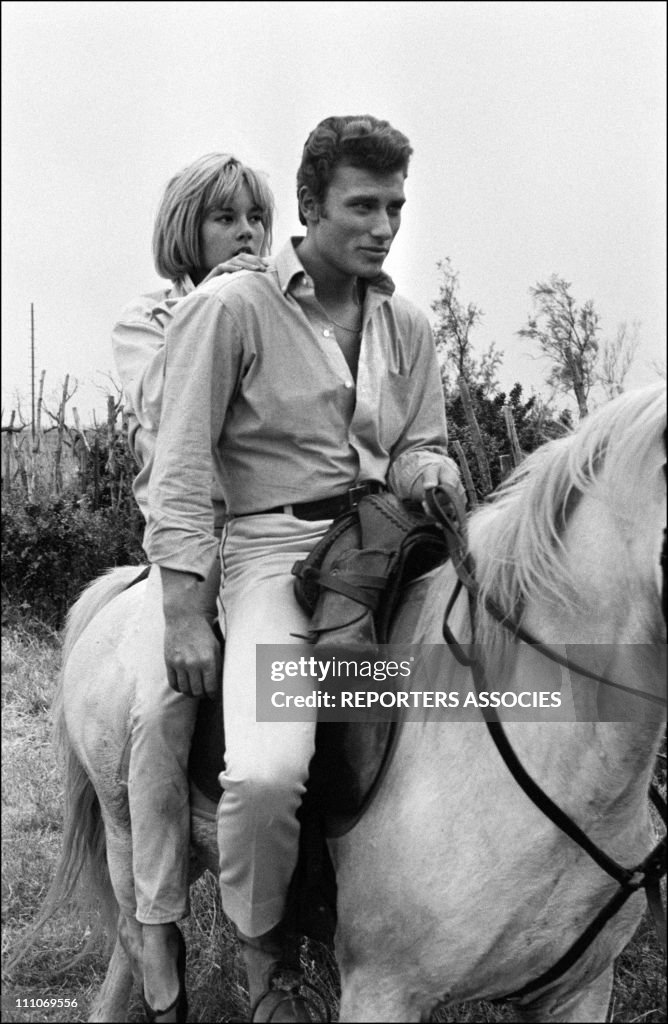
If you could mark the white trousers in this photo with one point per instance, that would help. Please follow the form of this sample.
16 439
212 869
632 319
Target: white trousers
266 763
162 723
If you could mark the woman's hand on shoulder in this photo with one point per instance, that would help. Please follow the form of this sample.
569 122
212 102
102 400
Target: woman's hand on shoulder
242 261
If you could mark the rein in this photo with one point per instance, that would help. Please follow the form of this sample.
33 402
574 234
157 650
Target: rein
646 875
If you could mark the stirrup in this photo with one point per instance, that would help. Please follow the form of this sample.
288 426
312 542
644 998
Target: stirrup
295 988
181 1001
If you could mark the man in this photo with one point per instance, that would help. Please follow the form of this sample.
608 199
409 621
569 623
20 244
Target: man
299 385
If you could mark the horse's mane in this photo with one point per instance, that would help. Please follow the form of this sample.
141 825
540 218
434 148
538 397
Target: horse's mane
517 537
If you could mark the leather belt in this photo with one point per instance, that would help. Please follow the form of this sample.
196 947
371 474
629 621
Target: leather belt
325 508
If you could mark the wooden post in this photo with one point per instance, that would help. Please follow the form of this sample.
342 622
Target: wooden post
9 447
37 436
126 490
60 426
506 464
84 452
33 468
111 449
26 477
515 450
466 474
476 437
96 472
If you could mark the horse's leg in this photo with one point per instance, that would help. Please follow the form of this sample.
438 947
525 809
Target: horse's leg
124 968
587 1006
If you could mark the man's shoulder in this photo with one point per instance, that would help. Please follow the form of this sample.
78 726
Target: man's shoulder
235 289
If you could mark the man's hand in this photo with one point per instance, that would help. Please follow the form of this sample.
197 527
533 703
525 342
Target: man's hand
192 653
446 475
242 261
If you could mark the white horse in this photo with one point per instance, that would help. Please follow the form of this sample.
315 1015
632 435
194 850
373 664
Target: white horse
453 886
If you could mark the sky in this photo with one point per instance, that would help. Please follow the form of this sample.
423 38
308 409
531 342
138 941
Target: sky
538 129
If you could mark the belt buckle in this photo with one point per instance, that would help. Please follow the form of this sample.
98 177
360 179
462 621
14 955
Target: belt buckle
356 493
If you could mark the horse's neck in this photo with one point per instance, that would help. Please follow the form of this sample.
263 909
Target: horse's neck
611 745
608 763
605 599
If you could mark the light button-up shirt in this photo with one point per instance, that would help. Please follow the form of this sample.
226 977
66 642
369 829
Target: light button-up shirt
257 383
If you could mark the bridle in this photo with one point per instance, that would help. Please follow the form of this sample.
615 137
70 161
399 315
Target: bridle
646 875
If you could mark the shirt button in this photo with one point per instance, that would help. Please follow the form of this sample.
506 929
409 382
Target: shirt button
327 332
348 384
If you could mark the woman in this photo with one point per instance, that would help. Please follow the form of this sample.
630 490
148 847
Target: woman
215 217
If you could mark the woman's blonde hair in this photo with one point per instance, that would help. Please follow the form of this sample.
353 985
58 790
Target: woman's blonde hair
211 181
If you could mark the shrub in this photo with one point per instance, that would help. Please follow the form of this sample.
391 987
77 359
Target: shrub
53 547
535 423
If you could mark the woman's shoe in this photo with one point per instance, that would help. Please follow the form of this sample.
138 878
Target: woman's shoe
180 1004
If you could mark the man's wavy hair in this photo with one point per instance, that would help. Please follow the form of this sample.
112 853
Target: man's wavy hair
209 182
359 140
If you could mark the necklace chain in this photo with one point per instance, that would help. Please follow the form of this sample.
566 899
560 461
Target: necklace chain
352 330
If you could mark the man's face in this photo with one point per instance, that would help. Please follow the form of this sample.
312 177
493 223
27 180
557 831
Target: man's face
360 216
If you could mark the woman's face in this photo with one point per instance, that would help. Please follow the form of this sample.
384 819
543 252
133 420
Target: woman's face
231 229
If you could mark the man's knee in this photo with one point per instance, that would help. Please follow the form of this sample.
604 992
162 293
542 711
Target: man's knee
268 792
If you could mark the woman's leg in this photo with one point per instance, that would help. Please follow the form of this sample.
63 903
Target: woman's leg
162 726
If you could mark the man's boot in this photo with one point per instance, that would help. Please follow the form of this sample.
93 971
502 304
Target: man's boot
276 985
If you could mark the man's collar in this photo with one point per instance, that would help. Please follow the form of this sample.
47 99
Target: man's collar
289 268
290 271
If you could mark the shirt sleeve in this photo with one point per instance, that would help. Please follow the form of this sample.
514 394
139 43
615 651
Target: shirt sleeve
139 351
202 364
424 439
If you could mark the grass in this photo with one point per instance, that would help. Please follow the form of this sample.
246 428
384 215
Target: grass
32 801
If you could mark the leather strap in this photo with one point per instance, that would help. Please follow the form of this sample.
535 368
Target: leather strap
366 590
325 508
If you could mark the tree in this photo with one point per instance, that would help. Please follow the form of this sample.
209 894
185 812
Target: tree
567 335
617 356
452 333
488 430
61 427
